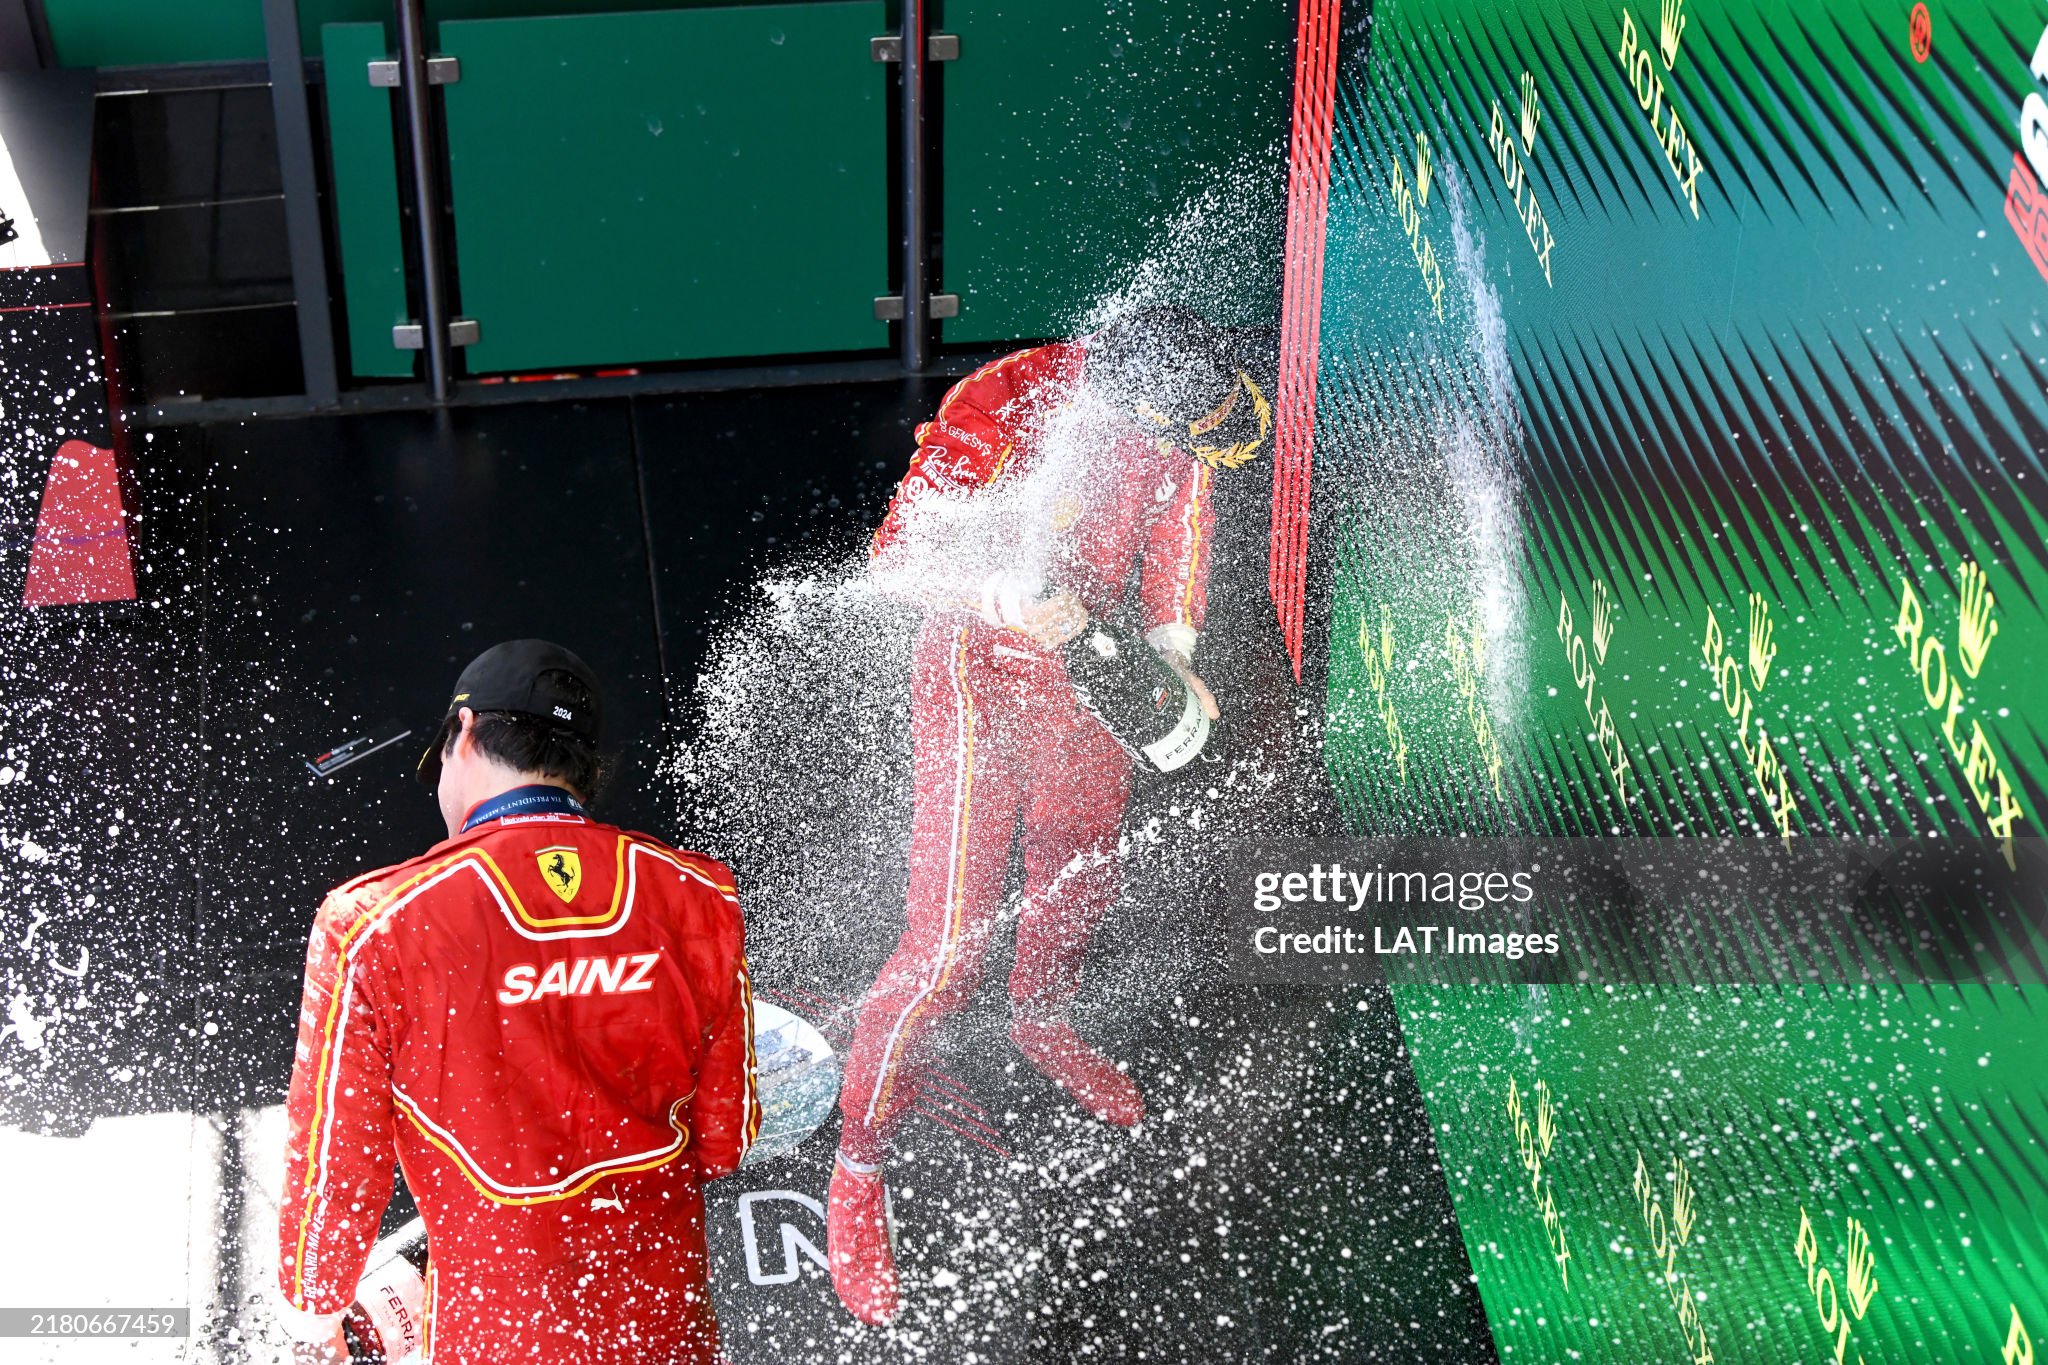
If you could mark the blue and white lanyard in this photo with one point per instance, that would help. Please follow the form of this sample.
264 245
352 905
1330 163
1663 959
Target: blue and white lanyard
534 800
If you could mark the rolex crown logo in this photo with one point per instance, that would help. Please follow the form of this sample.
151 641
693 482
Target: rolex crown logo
1761 650
1978 630
1683 1215
1368 650
1862 1268
1670 31
1603 619
1532 111
1425 170
1455 645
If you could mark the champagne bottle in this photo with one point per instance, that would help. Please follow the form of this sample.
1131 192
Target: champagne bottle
1146 705
386 1323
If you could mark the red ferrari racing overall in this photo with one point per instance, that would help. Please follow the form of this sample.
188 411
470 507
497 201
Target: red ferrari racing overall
547 1021
1003 752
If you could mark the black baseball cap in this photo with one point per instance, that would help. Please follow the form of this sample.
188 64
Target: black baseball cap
513 676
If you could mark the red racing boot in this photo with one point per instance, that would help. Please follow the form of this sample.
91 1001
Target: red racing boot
1061 1057
860 1242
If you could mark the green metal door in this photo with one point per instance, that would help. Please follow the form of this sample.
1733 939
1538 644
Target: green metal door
669 185
363 152
1079 133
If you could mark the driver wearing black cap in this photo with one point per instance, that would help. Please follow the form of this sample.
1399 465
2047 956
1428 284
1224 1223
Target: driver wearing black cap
533 708
546 1022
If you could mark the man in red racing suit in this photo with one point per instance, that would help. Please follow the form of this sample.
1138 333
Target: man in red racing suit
1002 750
547 1022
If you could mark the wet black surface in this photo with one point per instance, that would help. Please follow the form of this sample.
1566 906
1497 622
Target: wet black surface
742 483
305 579
1280 1203
356 566
99 764
101 798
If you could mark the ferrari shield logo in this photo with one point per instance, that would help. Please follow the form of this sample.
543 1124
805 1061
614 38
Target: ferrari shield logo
562 870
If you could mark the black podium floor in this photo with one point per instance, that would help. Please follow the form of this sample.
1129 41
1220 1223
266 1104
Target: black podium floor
304 579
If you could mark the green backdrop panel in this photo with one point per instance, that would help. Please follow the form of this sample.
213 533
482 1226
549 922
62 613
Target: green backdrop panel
314 13
147 32
1771 522
1076 130
361 145
669 186
1862 1167
152 32
1682 404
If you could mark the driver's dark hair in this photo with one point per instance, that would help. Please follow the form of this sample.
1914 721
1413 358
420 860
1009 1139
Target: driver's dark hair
531 744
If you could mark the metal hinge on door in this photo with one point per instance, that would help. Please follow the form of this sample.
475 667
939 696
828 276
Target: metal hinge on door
411 336
440 71
889 307
938 47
